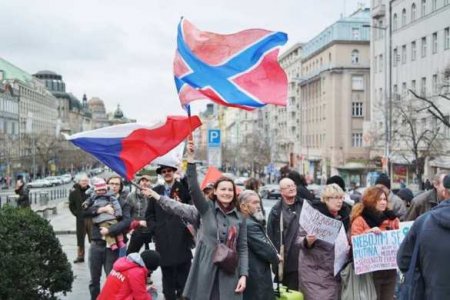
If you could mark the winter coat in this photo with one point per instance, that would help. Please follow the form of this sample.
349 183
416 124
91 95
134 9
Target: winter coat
127 280
360 226
304 193
172 239
77 196
102 201
115 229
203 271
398 205
433 236
316 263
138 204
187 212
290 234
261 254
421 204
23 201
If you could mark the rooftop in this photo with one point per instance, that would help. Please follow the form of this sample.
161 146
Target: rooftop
11 72
346 29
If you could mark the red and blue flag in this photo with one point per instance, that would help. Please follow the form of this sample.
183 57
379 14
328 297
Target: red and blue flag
238 70
127 148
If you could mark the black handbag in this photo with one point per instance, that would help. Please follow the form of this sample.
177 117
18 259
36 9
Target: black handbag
225 255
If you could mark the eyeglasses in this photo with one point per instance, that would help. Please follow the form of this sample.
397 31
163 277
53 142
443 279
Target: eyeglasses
288 187
166 171
114 183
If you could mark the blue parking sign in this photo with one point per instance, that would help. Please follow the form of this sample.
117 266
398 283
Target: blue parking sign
213 138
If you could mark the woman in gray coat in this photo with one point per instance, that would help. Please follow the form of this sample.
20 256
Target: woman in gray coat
206 280
316 257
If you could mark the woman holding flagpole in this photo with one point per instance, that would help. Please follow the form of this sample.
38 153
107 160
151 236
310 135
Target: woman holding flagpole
223 231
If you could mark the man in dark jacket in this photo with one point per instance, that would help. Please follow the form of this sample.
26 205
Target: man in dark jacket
289 208
77 196
139 202
431 233
261 251
426 200
99 255
170 234
22 191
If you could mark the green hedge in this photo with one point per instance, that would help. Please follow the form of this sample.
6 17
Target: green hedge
32 263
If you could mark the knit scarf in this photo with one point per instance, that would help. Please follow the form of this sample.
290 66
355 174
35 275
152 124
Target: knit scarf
374 218
226 209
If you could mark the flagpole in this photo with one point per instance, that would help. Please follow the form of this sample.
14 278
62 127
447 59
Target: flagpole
188 108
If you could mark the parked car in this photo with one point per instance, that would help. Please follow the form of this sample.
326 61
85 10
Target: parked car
270 191
316 190
39 183
54 180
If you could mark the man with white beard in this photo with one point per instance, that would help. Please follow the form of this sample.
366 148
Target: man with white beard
261 252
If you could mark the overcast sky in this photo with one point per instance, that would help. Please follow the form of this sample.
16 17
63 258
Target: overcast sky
122 51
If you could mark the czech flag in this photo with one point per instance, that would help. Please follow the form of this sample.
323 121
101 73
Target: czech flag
127 148
238 70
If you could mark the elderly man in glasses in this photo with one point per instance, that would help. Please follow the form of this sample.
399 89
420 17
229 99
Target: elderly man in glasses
282 229
172 238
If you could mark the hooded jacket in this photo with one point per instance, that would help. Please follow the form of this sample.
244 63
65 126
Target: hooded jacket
127 280
433 235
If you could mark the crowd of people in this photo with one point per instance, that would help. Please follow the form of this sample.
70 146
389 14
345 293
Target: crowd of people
238 255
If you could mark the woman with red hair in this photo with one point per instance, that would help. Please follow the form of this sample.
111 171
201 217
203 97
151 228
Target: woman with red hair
372 214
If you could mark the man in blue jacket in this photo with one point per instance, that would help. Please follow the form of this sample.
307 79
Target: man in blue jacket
431 233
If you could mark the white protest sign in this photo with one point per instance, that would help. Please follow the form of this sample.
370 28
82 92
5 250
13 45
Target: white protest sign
323 227
341 250
373 252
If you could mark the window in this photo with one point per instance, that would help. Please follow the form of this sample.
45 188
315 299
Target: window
413 85
394 57
395 92
447 38
404 54
433 5
355 33
413 51
424 47
355 57
404 92
380 31
435 84
357 109
424 8
357 139
394 22
357 83
423 86
413 12
381 62
434 43
403 17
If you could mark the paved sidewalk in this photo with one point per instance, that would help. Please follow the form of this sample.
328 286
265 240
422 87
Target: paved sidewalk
64 226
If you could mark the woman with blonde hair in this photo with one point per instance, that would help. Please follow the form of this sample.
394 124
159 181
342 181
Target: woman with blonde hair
316 257
372 214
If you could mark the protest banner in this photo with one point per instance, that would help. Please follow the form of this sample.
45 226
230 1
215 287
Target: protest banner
341 250
373 252
323 227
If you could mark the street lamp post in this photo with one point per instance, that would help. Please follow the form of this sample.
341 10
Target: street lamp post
387 95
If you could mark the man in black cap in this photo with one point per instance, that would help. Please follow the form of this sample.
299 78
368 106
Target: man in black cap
172 239
430 233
